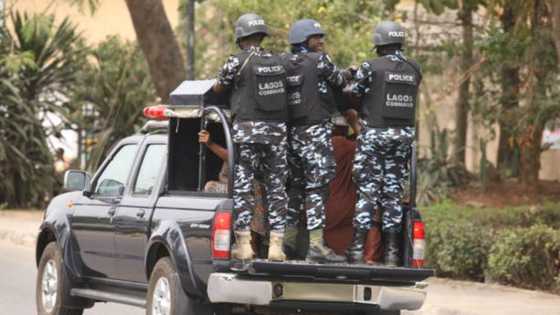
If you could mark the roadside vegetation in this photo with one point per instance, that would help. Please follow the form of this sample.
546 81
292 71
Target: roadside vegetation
51 79
514 245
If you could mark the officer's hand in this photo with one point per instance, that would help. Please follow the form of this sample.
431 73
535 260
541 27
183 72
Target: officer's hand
204 137
347 75
352 118
352 70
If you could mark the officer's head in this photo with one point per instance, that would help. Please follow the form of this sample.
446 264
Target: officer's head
309 33
250 29
388 36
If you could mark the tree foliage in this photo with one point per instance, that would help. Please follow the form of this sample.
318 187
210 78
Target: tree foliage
37 65
348 25
47 75
528 47
116 83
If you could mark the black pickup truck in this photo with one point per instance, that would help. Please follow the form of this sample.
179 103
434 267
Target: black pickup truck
142 231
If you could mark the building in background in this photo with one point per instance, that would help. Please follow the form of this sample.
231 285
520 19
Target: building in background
111 18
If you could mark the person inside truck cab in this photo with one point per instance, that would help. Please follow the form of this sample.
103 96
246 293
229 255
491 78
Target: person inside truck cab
257 82
387 88
258 224
221 185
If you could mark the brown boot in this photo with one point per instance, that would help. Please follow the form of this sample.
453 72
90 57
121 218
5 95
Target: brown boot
275 246
373 249
242 250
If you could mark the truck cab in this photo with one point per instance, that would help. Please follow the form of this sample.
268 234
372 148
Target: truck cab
143 231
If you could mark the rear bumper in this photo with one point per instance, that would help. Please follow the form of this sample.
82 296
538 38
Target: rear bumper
231 288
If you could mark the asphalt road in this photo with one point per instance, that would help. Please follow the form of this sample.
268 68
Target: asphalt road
445 297
17 285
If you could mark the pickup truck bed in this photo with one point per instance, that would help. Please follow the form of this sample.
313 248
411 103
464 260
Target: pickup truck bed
129 229
313 272
298 285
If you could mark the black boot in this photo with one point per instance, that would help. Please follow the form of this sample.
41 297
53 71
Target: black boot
391 238
355 253
319 252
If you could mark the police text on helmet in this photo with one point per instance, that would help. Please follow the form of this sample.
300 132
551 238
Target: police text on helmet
396 34
256 22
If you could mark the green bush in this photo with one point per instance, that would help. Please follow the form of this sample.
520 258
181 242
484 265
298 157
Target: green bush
495 218
460 240
526 257
458 250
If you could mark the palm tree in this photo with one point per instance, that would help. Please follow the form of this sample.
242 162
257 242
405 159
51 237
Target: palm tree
38 63
117 84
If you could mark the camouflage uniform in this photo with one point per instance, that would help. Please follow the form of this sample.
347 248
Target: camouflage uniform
312 167
380 165
261 150
311 159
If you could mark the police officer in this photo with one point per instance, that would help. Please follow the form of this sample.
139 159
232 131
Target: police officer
257 80
387 87
313 80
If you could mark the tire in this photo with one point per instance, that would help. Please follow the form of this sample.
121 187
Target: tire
51 276
165 289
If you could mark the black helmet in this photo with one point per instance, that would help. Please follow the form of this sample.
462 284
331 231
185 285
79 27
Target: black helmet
249 24
388 32
302 29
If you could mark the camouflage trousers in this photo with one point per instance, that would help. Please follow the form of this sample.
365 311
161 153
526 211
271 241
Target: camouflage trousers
312 167
270 161
380 166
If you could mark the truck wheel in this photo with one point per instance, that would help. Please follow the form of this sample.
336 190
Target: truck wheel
166 295
53 285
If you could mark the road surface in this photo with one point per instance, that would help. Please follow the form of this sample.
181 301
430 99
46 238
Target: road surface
17 285
445 297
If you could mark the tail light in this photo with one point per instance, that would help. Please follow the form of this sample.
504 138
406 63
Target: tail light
221 235
418 244
159 112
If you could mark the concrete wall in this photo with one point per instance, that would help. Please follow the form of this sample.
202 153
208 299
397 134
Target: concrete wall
111 18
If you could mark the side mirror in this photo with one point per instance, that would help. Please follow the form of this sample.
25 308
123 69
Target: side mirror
75 180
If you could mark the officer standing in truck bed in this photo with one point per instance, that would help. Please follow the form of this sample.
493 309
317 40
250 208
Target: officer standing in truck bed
387 87
257 80
313 81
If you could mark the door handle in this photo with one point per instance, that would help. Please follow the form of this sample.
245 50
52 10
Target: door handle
112 211
140 214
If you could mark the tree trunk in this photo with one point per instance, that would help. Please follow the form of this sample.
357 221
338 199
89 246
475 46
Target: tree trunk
159 45
531 139
554 6
462 104
509 101
531 157
190 16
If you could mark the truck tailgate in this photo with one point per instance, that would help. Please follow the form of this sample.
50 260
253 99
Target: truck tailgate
362 272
